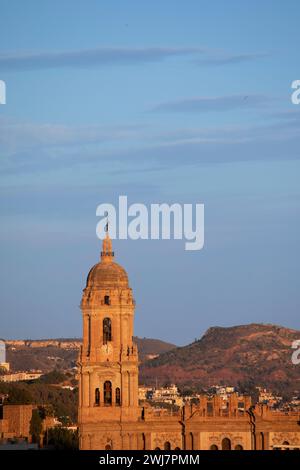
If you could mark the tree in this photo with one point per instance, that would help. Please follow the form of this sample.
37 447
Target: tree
53 377
63 439
19 395
36 426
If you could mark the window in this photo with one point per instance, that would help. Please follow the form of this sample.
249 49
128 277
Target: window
97 397
118 396
210 408
106 330
167 446
107 393
213 447
238 447
226 444
286 443
106 300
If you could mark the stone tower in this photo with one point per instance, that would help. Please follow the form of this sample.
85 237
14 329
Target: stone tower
108 363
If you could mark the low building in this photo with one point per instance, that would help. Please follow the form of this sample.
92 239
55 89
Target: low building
19 376
144 393
265 396
168 395
15 422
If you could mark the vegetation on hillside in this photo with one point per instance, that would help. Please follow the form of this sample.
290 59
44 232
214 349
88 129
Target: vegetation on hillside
62 401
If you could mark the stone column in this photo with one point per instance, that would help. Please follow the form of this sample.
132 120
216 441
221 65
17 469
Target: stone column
92 389
80 392
126 442
135 398
125 401
85 389
116 337
91 329
267 440
129 385
147 440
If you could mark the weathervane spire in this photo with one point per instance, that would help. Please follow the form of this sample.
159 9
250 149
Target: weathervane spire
107 253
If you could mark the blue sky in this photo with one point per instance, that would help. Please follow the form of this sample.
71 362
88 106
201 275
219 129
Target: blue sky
164 102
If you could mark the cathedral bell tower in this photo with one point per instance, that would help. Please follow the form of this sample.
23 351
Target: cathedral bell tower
108 363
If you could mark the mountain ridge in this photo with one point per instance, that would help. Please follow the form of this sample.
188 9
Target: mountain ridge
257 353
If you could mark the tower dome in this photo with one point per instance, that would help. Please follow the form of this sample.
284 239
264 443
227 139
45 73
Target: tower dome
107 273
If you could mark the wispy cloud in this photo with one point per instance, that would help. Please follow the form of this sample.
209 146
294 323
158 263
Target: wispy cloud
228 59
145 149
217 151
107 56
102 56
27 136
217 103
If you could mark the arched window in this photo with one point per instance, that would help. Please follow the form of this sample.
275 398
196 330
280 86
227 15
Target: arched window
118 396
167 446
226 444
213 447
106 300
107 393
106 330
177 448
97 397
285 443
238 447
108 447
157 448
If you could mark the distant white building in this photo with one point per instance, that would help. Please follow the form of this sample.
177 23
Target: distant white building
19 376
143 392
2 352
168 395
3 363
